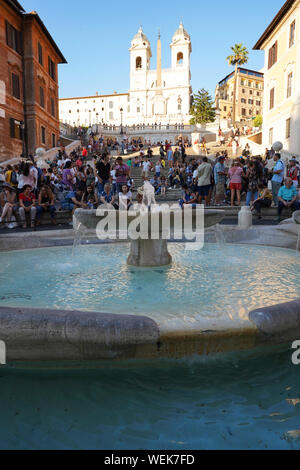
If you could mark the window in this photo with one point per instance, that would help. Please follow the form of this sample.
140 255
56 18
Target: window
242 82
43 134
111 116
53 141
51 69
243 112
292 34
288 128
138 109
272 98
128 109
15 86
273 55
42 97
271 136
243 90
180 58
250 101
52 107
251 92
40 53
289 85
111 105
243 101
225 108
258 94
78 111
15 129
258 103
138 63
250 84
13 38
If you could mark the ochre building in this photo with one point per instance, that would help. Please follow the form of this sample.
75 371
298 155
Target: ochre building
29 60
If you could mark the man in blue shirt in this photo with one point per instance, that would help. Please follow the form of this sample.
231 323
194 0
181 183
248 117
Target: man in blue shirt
287 197
220 180
278 176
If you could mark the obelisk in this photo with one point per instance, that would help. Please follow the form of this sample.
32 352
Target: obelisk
158 71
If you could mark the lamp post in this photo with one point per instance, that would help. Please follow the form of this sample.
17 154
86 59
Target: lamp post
218 115
121 111
22 125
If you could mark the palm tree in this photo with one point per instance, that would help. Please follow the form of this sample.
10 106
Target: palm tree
238 58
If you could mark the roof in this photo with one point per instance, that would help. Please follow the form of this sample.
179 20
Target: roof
140 36
34 16
280 15
92 97
15 5
182 32
244 71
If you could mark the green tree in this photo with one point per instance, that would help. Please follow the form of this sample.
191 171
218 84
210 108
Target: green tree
202 109
238 57
258 121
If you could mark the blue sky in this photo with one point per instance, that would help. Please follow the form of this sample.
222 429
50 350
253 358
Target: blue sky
95 36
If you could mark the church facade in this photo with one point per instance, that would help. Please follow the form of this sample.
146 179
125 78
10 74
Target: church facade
161 96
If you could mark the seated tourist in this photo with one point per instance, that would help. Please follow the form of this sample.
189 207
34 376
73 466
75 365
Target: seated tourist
46 204
264 199
90 198
125 199
27 201
107 196
189 198
8 200
287 197
72 201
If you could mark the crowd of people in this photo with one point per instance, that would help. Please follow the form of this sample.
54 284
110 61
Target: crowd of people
28 190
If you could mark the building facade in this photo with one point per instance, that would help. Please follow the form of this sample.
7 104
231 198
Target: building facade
28 83
281 43
249 100
155 96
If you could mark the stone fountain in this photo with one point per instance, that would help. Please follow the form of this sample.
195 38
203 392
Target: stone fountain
158 224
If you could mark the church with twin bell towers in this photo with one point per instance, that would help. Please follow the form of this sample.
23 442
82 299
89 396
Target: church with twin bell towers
161 96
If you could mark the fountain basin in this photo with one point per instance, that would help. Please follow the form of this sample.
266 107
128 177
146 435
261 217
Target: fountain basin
197 306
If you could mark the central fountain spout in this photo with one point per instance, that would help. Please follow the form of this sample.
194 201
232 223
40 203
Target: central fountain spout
149 226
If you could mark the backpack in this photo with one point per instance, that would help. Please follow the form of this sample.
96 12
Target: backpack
14 178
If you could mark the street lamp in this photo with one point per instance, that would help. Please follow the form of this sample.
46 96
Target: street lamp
121 111
22 125
218 115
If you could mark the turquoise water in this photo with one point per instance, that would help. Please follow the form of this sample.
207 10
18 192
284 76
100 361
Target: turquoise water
212 283
249 400
237 401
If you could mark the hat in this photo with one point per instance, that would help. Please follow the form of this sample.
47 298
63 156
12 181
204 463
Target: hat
7 185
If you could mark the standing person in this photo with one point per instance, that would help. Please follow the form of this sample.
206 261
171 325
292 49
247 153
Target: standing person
204 180
220 180
146 168
67 177
235 174
293 172
278 176
254 177
103 171
27 201
122 172
170 156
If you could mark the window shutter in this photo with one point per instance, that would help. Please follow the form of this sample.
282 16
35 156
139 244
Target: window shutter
275 52
270 58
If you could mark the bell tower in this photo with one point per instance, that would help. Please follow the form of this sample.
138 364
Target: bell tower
140 56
